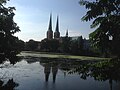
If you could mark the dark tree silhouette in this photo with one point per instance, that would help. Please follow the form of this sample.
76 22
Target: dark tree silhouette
31 45
65 44
7 30
10 85
49 45
106 19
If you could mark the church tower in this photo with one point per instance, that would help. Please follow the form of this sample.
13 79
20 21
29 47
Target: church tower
50 32
67 33
57 33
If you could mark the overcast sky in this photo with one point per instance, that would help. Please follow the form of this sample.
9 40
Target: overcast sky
32 16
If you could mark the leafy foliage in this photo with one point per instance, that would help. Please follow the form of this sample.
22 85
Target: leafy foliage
101 71
8 42
106 16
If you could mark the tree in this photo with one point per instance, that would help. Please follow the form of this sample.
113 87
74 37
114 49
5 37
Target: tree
65 44
80 45
49 45
21 45
7 30
31 45
106 19
76 46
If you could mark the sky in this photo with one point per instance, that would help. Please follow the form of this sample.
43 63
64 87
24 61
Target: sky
32 16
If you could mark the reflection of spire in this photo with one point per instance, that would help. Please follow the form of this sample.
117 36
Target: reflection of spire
47 69
110 82
54 72
64 74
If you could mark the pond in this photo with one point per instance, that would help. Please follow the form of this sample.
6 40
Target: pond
32 73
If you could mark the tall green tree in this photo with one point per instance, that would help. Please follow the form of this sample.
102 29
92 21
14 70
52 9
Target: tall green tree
106 21
7 30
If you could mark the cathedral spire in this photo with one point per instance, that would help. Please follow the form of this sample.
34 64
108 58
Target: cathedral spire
50 23
50 32
57 33
57 25
67 33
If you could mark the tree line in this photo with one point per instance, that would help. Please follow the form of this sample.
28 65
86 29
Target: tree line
65 45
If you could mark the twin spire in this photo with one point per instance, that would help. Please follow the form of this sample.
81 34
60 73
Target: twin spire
50 32
57 25
50 23
56 33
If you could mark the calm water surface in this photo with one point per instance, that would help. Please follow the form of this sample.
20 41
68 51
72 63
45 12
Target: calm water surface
42 74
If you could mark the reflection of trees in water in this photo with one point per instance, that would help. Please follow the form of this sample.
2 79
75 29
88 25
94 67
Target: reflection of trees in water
12 60
31 60
101 71
52 65
10 85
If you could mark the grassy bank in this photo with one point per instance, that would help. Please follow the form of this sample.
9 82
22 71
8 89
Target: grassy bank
54 55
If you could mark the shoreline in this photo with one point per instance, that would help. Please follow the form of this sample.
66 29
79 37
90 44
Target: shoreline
57 56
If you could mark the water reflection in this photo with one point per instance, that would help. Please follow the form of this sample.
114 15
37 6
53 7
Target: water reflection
50 67
54 72
31 72
47 70
100 71
67 66
10 85
12 60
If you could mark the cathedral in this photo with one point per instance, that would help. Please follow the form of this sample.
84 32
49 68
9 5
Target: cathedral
54 37
50 34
